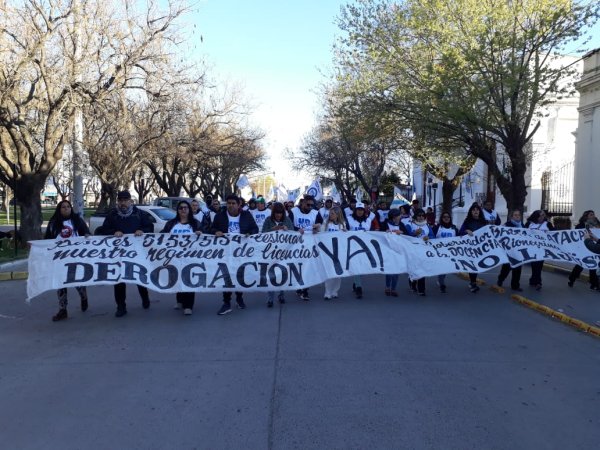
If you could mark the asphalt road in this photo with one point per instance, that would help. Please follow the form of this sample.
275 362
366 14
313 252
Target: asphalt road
454 371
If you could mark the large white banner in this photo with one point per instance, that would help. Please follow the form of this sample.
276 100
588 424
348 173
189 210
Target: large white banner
285 260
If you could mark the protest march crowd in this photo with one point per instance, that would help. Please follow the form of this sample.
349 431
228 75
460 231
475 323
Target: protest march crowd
309 217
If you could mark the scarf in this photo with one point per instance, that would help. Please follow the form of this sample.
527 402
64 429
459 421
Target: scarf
517 224
126 213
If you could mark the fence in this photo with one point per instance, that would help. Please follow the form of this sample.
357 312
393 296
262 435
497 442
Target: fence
557 190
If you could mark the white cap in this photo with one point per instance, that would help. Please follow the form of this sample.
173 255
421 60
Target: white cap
360 205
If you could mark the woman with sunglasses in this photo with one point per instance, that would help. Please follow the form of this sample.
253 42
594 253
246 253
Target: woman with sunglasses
184 223
445 229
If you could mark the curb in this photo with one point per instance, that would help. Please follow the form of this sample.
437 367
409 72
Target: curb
568 320
8 276
548 267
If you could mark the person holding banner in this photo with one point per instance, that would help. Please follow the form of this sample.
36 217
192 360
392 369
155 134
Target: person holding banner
233 221
65 224
445 229
394 225
127 219
184 223
587 220
538 220
382 211
261 213
360 220
349 210
515 221
592 243
306 219
333 224
490 216
278 220
473 222
324 211
418 227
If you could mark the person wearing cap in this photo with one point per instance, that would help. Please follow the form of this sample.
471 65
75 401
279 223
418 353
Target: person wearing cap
324 211
361 220
419 228
393 224
306 219
126 218
261 213
233 221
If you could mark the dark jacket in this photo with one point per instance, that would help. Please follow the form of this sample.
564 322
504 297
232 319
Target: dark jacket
592 246
470 224
138 220
53 229
384 226
196 225
221 223
270 224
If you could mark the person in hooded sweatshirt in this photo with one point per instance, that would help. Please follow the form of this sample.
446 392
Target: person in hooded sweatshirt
418 227
444 229
515 221
393 224
473 222
361 220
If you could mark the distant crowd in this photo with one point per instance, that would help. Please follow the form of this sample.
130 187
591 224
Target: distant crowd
308 216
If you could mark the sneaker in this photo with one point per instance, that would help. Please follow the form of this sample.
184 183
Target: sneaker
269 304
299 293
120 312
594 288
393 293
327 297
178 306
281 298
240 303
146 303
388 291
60 315
517 289
443 288
421 294
225 309
570 283
84 304
538 287
473 287
187 312
359 292
305 297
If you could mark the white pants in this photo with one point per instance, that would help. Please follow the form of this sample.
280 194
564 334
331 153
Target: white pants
332 287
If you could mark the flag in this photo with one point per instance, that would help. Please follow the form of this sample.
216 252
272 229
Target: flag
315 189
281 193
358 194
242 182
293 194
398 196
335 195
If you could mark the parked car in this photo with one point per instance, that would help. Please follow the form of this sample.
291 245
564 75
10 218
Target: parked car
171 202
159 215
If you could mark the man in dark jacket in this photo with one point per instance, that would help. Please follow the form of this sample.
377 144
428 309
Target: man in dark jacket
127 219
592 242
233 221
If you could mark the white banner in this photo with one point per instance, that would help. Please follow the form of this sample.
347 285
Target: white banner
285 260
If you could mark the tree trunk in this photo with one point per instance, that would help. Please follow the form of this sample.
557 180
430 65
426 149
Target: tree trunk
108 195
448 188
27 195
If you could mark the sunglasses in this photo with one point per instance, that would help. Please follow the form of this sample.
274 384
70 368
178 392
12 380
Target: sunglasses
183 207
